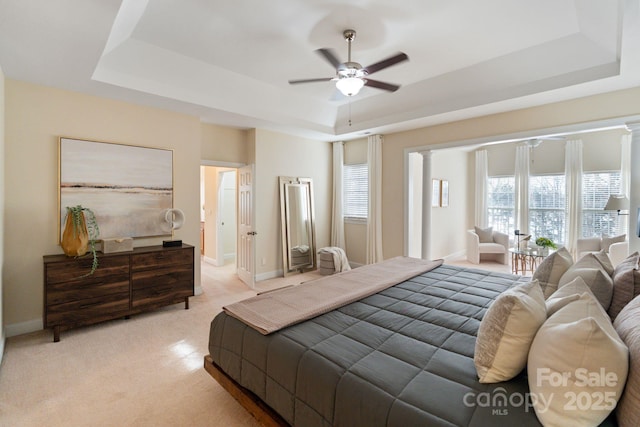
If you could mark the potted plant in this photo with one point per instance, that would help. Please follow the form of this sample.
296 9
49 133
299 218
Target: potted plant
80 234
545 243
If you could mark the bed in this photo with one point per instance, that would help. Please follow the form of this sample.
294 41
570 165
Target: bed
400 357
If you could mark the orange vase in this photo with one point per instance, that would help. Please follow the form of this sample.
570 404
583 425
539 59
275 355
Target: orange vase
75 242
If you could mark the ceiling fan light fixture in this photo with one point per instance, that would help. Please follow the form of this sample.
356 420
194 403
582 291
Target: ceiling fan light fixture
349 86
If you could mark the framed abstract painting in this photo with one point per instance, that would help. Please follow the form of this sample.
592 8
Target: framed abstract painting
129 188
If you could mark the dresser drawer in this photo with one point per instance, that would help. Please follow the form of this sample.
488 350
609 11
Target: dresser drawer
79 290
163 258
152 287
76 269
83 312
159 296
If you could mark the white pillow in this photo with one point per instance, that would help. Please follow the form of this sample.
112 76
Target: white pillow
566 294
485 235
607 241
577 366
506 332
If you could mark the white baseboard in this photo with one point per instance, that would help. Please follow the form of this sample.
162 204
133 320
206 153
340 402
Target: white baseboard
269 275
229 256
197 290
210 260
456 255
23 327
355 264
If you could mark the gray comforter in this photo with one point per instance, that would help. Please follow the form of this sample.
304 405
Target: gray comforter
402 357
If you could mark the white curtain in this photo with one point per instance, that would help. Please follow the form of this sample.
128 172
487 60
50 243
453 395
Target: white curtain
482 177
521 207
625 178
374 218
573 179
337 218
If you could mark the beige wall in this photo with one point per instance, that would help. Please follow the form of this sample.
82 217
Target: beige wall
278 154
2 206
223 144
601 152
35 117
599 107
447 223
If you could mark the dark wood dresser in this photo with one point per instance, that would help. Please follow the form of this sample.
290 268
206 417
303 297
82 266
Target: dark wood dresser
125 283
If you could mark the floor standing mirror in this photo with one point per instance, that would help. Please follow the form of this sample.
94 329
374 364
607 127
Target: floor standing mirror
298 228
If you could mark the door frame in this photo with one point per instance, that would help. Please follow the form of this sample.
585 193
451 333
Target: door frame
230 165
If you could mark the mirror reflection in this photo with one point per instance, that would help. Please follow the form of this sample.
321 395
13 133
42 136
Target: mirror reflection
298 233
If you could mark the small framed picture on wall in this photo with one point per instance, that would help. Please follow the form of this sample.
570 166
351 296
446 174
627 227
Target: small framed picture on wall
435 195
444 193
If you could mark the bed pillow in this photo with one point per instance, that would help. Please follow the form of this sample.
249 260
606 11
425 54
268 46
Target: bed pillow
628 327
566 294
626 284
608 241
506 332
594 275
605 261
551 269
577 353
485 235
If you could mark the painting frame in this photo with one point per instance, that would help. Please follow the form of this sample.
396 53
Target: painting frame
444 193
435 193
128 187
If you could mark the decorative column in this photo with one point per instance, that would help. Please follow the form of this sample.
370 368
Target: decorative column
634 188
427 194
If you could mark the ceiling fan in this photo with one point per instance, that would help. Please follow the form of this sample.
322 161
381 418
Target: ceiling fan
351 76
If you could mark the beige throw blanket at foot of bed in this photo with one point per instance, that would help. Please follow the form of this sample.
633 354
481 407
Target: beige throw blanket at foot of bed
273 311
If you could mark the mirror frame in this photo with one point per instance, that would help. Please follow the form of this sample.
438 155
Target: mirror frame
285 183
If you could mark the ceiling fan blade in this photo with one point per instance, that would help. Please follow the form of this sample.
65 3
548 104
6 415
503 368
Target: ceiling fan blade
330 56
386 63
325 79
381 85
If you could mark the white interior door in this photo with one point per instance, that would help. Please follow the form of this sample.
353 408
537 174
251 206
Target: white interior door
226 231
246 232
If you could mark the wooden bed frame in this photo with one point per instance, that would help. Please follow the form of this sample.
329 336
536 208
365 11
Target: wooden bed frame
266 416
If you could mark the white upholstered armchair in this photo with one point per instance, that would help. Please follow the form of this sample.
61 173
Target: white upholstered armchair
494 245
617 247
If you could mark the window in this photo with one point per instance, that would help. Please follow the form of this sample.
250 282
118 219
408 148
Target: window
500 203
356 191
547 201
596 188
547 205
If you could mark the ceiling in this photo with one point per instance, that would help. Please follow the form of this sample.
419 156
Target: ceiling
229 62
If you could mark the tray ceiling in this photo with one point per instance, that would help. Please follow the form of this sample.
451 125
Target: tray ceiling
229 62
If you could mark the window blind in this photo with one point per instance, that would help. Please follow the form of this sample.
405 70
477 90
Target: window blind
356 190
547 204
596 189
500 203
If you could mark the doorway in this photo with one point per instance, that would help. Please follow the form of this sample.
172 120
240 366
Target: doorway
218 214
